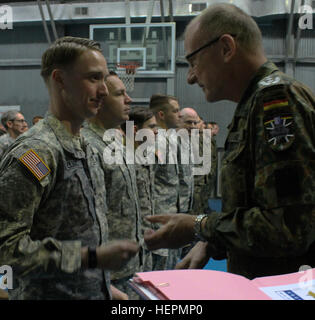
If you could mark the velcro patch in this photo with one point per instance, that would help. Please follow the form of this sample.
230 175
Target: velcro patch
35 164
279 132
274 104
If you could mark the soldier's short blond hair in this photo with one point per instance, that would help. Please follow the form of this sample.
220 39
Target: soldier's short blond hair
224 18
63 52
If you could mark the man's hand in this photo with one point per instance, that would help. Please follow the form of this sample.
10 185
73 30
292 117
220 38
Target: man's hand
118 294
177 231
196 258
114 255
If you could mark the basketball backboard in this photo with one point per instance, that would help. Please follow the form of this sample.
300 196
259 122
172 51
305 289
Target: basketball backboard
151 46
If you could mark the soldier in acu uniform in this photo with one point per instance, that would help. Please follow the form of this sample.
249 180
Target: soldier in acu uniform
173 179
267 226
53 228
143 118
124 220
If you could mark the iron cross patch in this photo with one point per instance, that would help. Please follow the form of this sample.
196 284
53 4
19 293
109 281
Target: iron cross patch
279 131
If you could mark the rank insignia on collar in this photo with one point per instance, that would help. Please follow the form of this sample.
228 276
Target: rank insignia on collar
279 132
269 80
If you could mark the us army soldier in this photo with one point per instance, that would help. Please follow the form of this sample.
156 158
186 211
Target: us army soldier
53 229
122 200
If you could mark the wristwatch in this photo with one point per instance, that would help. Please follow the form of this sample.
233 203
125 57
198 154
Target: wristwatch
92 258
197 227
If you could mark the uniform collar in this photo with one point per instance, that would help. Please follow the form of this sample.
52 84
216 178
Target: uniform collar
95 128
69 142
265 70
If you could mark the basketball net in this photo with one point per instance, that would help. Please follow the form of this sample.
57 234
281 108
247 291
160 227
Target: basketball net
128 75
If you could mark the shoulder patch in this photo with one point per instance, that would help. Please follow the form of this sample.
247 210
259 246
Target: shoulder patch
279 132
35 164
279 123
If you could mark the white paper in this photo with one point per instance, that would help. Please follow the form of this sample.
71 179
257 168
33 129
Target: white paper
296 291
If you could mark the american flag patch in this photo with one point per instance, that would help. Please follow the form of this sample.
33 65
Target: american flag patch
35 164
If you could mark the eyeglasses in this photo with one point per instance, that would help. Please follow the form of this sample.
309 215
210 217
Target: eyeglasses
21 120
208 44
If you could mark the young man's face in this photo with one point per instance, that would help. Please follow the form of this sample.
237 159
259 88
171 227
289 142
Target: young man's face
171 116
84 87
116 106
215 129
150 124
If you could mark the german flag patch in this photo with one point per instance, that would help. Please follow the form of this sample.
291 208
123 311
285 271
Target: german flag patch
35 164
275 104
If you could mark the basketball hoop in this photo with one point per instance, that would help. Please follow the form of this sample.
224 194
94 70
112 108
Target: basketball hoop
128 76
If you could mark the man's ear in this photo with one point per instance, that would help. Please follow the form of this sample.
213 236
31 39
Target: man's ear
9 124
228 47
58 76
161 114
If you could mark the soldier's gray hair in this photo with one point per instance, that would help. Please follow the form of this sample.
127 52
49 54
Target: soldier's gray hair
8 116
63 52
225 18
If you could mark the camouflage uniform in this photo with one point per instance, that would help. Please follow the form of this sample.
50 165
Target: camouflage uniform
5 141
145 184
203 184
46 220
174 192
212 176
123 213
268 180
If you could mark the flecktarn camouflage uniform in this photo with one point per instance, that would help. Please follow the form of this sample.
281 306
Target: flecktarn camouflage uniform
53 187
268 180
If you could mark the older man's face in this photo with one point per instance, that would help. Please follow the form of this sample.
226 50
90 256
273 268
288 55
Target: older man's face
205 66
18 125
189 122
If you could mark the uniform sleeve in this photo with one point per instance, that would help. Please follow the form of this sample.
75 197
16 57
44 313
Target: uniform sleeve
278 183
21 193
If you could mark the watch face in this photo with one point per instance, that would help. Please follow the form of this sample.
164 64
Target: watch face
197 226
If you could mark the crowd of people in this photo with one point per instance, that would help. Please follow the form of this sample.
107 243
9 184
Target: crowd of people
74 226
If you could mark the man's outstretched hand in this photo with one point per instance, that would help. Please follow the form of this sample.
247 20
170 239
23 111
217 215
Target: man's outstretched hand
196 258
176 231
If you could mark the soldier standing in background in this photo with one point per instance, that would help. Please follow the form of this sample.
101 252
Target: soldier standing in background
123 215
267 226
144 118
15 124
173 182
190 120
212 176
53 230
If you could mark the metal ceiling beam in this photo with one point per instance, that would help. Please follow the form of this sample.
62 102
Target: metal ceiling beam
44 20
289 42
